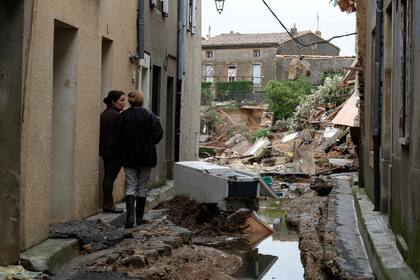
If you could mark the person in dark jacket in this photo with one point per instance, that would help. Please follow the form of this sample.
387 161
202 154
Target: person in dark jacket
139 131
108 149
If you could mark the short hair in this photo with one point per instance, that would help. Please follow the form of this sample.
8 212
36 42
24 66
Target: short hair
136 98
113 95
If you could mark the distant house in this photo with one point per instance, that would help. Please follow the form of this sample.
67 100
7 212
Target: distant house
252 57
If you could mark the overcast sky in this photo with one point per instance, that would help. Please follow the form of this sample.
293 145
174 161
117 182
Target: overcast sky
252 16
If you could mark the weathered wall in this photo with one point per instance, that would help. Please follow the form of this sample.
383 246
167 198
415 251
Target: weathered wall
191 93
11 89
290 47
91 20
403 193
244 60
318 65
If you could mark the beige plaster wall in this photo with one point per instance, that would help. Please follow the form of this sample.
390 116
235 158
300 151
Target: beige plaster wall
93 19
191 94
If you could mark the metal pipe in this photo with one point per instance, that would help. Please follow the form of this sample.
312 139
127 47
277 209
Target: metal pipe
180 78
378 103
140 29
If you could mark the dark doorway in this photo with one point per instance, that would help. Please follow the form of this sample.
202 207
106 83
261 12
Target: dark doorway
178 119
156 90
170 100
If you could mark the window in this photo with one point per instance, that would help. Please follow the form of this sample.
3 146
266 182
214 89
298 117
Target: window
256 74
406 66
256 53
192 22
209 54
232 73
209 73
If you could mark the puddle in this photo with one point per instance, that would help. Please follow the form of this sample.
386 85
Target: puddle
275 257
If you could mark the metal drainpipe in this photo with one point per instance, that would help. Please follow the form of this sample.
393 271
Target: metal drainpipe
180 74
140 29
378 103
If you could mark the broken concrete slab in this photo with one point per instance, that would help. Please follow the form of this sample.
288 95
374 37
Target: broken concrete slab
50 255
290 137
18 272
237 138
258 149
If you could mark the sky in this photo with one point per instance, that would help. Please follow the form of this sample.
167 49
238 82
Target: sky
252 16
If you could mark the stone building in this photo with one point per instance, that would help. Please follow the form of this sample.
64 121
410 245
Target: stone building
252 57
388 64
56 66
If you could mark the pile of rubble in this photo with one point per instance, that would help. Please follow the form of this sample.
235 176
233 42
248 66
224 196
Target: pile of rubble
323 141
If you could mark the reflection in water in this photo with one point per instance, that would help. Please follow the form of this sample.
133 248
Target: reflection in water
275 257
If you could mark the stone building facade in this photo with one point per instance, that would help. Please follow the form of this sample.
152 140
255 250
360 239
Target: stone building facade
389 149
252 57
71 55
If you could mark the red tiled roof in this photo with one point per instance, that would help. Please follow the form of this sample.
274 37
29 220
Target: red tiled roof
243 40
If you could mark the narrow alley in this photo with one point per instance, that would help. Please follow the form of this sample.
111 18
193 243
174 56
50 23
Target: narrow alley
209 139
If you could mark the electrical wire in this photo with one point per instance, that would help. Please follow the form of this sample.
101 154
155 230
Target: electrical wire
296 39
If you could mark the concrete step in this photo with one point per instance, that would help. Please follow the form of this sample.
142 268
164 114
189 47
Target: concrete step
380 242
50 255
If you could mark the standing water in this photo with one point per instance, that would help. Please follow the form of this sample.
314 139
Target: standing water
275 257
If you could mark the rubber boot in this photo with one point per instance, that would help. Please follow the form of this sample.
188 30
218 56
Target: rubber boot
140 205
129 202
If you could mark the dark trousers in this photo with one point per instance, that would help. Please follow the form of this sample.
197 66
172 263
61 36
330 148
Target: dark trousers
111 170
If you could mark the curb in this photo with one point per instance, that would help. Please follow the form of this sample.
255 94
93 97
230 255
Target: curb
379 240
51 254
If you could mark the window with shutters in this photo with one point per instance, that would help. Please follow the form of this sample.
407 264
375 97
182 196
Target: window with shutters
209 73
256 53
192 22
231 73
404 10
209 54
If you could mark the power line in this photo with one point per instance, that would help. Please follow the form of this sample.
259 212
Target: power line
296 39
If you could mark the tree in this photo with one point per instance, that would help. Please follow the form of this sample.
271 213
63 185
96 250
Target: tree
285 96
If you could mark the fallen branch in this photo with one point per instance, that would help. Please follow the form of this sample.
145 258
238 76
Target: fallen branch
228 117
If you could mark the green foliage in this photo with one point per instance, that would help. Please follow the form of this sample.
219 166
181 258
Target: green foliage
285 96
331 74
262 132
328 96
206 95
232 90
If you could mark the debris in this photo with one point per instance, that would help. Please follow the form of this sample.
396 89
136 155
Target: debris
204 138
341 161
330 132
332 140
349 114
17 272
97 234
266 119
265 188
281 125
321 186
256 229
258 149
290 137
236 139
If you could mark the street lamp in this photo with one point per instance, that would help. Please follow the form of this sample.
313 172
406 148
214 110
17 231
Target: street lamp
219 5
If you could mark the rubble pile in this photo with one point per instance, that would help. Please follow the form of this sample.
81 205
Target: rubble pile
162 250
321 143
203 219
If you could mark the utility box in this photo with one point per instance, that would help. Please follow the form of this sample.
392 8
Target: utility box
211 183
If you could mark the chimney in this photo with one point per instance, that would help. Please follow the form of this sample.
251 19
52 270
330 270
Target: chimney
293 30
232 32
318 33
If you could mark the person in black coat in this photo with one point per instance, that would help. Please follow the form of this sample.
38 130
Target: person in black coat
115 102
138 132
